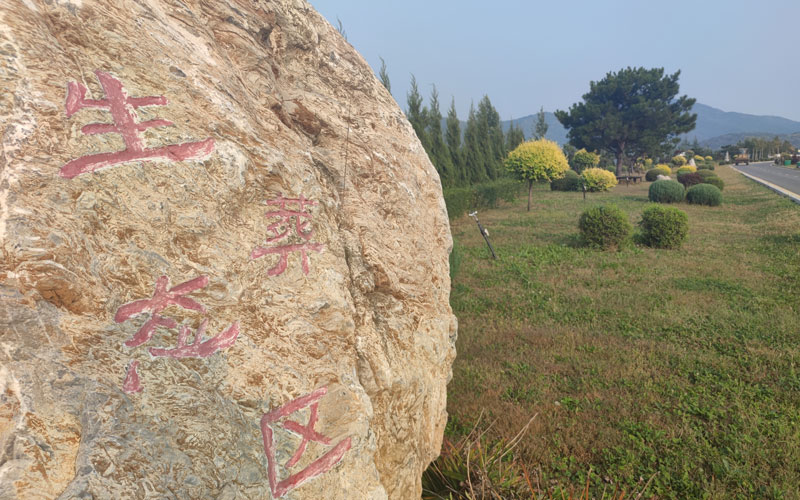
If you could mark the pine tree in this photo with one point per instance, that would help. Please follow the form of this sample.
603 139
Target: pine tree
439 152
384 76
541 126
416 113
453 139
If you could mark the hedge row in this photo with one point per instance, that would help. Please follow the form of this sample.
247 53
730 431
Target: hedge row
459 201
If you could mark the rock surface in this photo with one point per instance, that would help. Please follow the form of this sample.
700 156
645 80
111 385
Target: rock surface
224 259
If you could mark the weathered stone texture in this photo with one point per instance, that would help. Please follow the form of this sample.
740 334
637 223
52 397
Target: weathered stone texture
265 100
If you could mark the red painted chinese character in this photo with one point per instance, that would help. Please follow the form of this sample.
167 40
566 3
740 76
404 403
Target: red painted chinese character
280 231
126 123
131 383
162 298
307 433
198 349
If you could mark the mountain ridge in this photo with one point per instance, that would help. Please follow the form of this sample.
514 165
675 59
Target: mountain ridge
714 127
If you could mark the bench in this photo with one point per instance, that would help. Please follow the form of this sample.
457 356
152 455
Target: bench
629 178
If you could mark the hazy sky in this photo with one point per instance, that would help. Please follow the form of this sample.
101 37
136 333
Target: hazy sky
734 55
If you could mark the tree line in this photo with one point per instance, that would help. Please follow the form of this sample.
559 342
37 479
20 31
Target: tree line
461 157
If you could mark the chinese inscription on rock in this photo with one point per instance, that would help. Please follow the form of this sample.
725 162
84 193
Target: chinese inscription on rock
280 228
126 123
161 299
308 434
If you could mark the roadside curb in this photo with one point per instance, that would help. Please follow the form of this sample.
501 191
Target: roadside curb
785 192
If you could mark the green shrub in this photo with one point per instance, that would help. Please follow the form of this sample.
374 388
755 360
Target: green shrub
660 169
686 169
708 158
598 179
583 159
678 160
699 158
648 163
689 179
458 201
704 194
604 227
570 182
705 174
664 227
665 191
652 174
710 177
705 166
487 195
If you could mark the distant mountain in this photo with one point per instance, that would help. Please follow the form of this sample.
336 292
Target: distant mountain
715 128
555 131
726 139
712 122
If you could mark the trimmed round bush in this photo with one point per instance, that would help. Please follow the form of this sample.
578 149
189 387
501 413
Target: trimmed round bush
689 179
666 191
699 158
710 177
705 174
704 194
570 182
708 158
648 163
654 172
679 160
583 159
705 166
598 179
604 227
664 227
652 175
686 169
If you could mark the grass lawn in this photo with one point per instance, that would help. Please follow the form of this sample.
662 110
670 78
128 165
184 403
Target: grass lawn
678 364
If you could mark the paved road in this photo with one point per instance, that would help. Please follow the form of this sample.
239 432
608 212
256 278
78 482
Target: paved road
788 179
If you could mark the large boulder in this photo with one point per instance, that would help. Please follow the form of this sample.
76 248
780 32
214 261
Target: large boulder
224 259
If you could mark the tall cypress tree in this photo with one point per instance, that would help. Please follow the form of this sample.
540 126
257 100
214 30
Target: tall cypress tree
491 138
541 127
416 113
514 137
384 76
439 152
453 139
474 148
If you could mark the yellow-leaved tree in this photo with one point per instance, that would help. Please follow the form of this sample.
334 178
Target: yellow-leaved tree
537 161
